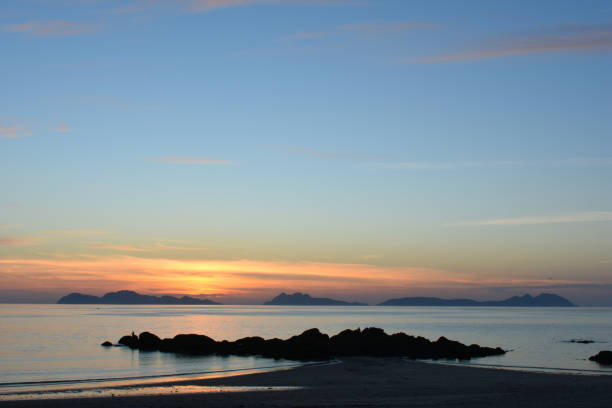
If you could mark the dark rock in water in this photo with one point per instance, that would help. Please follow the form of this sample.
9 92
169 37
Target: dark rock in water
148 341
107 344
314 345
603 357
582 341
130 341
190 344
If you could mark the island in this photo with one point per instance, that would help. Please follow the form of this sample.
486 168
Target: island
541 300
303 299
312 345
128 297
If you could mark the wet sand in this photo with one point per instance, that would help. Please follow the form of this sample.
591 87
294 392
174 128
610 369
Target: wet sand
373 382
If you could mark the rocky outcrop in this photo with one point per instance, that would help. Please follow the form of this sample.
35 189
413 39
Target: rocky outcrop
314 345
603 357
107 344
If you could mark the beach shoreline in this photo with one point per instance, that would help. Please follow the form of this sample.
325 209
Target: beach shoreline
366 381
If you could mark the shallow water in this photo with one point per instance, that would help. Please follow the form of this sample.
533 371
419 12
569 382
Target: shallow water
41 343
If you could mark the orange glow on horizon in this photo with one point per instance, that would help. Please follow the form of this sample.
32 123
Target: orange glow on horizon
234 278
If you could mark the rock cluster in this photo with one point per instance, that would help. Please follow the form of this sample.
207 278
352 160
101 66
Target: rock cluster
314 345
603 357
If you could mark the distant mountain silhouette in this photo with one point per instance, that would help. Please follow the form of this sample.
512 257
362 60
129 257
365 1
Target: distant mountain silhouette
127 297
302 299
542 300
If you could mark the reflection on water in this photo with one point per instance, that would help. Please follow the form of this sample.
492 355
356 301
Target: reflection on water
135 391
62 342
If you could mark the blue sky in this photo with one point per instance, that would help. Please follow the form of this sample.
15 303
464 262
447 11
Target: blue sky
469 138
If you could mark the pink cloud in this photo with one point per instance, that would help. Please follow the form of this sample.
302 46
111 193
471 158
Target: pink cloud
207 5
390 27
14 131
63 127
564 39
127 248
52 28
18 241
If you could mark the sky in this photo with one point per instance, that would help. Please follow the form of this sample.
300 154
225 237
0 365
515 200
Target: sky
355 149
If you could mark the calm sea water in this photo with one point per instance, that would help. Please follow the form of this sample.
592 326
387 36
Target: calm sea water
62 342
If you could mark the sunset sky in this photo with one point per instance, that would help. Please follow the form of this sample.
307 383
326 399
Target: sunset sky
355 149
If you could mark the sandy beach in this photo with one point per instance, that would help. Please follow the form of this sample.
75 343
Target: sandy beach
380 382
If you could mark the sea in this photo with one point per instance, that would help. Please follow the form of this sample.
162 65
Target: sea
59 345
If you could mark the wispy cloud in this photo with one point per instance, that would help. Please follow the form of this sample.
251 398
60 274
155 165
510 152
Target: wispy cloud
52 28
14 131
158 246
242 278
447 165
387 27
589 216
203 6
193 160
76 232
560 39
162 245
127 248
18 241
62 127
365 28
209 5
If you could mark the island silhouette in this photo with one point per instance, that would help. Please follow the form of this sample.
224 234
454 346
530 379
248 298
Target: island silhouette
128 297
303 299
541 300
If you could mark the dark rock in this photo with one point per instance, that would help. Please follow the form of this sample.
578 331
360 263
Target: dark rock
582 341
148 341
107 344
603 357
314 345
192 344
130 341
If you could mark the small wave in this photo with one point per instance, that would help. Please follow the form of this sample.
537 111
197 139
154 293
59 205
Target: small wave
148 378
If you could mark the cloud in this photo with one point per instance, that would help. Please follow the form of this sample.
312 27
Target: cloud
193 160
560 39
387 28
209 5
63 127
127 248
76 232
52 28
162 245
432 165
150 248
14 131
242 279
590 216
202 6
18 241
